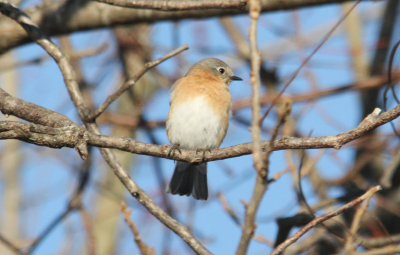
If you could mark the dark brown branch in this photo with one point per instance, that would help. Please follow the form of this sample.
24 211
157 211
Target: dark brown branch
278 250
63 17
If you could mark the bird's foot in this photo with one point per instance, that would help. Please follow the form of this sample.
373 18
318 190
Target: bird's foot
172 150
203 151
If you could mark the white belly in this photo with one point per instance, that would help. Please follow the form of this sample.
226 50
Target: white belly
194 125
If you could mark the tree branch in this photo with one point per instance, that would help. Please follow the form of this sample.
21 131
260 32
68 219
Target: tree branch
63 17
177 5
372 82
278 250
306 60
59 138
259 161
129 83
50 122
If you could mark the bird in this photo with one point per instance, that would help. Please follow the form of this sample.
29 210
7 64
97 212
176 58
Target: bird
198 118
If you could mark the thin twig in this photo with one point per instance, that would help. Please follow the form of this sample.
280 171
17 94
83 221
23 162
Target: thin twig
381 251
88 225
10 245
232 214
74 203
294 75
349 245
54 223
372 82
390 83
144 249
131 82
278 250
378 241
390 171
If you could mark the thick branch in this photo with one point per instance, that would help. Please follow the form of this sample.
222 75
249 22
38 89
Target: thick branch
371 122
63 17
48 121
32 112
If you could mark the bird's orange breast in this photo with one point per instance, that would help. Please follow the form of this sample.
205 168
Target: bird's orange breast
203 84
203 102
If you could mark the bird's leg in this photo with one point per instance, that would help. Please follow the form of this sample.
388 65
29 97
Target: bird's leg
204 153
174 147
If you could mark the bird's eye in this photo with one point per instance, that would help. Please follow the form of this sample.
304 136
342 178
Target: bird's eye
221 70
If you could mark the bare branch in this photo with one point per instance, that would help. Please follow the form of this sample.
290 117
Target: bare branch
68 136
55 17
379 241
129 83
232 214
62 61
372 82
144 249
259 162
278 250
177 5
10 105
349 245
372 121
149 204
381 251
49 122
10 245
294 75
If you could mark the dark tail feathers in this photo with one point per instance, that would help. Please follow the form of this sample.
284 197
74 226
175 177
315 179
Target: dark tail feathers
189 179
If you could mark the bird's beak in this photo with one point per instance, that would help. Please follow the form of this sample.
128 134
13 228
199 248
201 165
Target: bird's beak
236 78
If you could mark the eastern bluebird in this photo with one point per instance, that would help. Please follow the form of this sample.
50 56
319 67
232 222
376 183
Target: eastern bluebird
200 106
